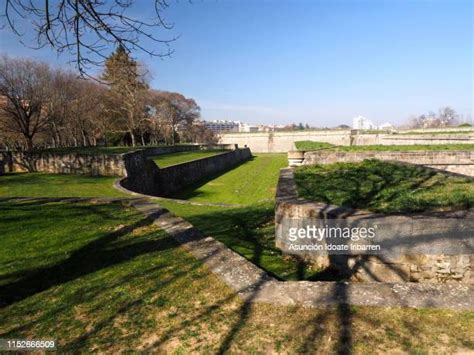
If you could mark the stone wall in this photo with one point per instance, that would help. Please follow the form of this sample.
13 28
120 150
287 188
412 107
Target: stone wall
408 265
141 174
282 142
88 164
54 163
278 142
461 162
144 176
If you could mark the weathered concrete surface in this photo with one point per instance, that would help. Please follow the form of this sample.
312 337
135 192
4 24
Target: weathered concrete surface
255 285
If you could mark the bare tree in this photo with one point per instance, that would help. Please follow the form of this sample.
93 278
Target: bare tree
447 116
174 111
63 25
25 86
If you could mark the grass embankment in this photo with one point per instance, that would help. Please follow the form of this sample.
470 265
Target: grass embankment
311 145
60 185
182 157
403 148
384 187
102 278
249 228
436 133
251 182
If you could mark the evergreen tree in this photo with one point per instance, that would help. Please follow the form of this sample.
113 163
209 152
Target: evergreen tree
127 90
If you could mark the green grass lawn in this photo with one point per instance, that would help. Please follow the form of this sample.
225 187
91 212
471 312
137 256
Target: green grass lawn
251 182
384 187
102 278
404 148
312 145
60 185
182 157
463 132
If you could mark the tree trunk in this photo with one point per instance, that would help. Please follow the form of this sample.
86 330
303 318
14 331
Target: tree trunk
132 136
29 143
84 139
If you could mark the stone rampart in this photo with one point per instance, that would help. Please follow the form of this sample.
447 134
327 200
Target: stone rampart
282 142
104 164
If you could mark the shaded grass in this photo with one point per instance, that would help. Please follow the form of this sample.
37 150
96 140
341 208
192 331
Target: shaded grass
57 185
165 160
384 187
101 278
249 183
250 231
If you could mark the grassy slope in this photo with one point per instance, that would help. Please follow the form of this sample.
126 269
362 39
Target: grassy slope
403 148
250 182
384 187
313 145
182 157
103 278
61 185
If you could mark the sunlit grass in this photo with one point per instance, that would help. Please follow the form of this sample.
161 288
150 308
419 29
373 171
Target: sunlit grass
57 185
251 182
166 160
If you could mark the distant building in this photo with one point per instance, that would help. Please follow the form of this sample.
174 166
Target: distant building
244 127
361 122
221 126
386 126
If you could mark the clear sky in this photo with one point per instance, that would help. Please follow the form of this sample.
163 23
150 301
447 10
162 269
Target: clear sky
317 62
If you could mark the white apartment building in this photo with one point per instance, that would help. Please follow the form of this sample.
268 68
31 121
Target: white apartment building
360 122
220 126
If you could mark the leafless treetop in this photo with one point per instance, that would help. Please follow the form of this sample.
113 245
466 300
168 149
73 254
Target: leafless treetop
86 29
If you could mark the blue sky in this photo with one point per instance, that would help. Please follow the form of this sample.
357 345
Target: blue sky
317 62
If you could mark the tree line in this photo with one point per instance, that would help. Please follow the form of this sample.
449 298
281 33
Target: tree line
43 107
